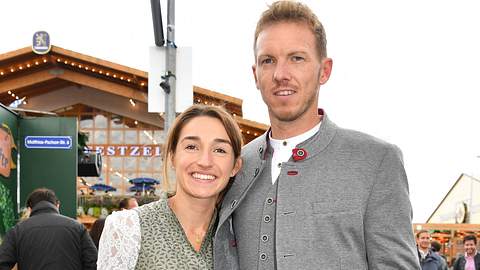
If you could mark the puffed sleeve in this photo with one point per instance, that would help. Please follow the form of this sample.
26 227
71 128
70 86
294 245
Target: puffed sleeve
119 244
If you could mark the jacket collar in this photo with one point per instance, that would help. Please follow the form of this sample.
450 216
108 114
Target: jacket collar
44 207
314 145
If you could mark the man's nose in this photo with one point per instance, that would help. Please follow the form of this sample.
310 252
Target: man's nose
282 72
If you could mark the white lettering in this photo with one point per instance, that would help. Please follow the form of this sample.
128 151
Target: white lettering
123 149
134 151
111 150
157 151
147 151
99 149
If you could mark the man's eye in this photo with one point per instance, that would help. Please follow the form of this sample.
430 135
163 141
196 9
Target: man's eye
267 61
296 58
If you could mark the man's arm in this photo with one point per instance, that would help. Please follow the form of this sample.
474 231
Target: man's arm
89 251
8 250
388 219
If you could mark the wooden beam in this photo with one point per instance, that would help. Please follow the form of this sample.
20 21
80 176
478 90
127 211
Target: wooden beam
446 226
15 53
104 85
25 81
99 62
75 77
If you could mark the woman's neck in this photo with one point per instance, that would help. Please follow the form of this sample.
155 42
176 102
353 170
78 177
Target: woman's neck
194 216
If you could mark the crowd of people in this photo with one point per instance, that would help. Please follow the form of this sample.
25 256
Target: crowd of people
307 194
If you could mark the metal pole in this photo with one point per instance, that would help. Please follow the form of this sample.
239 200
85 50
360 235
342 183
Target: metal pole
170 64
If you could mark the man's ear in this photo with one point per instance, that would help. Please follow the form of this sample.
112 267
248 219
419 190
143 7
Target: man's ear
325 70
254 70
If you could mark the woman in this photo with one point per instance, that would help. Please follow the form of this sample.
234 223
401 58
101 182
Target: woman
203 148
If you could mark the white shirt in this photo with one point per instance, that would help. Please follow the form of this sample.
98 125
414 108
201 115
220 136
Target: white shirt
282 149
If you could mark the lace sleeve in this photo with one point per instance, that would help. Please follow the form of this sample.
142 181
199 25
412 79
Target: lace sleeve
120 241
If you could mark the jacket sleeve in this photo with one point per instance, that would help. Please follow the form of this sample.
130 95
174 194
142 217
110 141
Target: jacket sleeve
388 218
89 251
8 250
456 265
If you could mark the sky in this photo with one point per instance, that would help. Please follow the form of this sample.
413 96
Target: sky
404 71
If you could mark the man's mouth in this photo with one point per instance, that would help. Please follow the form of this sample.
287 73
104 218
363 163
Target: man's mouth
284 93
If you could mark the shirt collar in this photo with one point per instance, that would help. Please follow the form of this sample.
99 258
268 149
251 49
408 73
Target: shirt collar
293 141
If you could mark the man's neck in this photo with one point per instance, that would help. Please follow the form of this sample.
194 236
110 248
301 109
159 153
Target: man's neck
425 251
288 129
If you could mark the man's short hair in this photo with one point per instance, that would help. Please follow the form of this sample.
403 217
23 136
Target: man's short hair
420 232
291 11
436 246
41 194
470 237
123 203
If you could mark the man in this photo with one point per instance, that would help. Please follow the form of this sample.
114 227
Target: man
128 203
47 240
436 247
429 260
471 259
311 195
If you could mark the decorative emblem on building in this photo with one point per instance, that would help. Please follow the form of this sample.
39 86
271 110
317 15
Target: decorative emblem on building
41 42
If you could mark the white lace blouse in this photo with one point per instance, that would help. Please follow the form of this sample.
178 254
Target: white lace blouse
119 244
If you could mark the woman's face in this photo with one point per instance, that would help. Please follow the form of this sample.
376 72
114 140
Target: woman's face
204 160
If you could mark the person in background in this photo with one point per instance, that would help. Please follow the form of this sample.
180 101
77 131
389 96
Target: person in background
128 203
47 239
311 195
428 259
96 230
203 148
436 247
471 259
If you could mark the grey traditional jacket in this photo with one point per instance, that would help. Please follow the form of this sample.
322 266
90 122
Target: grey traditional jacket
345 205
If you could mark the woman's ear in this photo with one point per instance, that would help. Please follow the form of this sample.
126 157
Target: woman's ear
236 167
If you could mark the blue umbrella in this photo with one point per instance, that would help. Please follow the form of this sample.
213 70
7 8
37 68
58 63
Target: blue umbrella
144 180
140 188
102 187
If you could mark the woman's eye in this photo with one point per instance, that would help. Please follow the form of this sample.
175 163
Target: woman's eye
190 147
220 150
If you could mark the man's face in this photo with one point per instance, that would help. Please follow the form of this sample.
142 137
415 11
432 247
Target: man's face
423 241
470 247
132 203
288 71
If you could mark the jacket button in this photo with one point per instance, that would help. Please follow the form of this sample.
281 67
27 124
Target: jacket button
234 202
263 256
260 150
267 218
264 238
269 201
256 171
